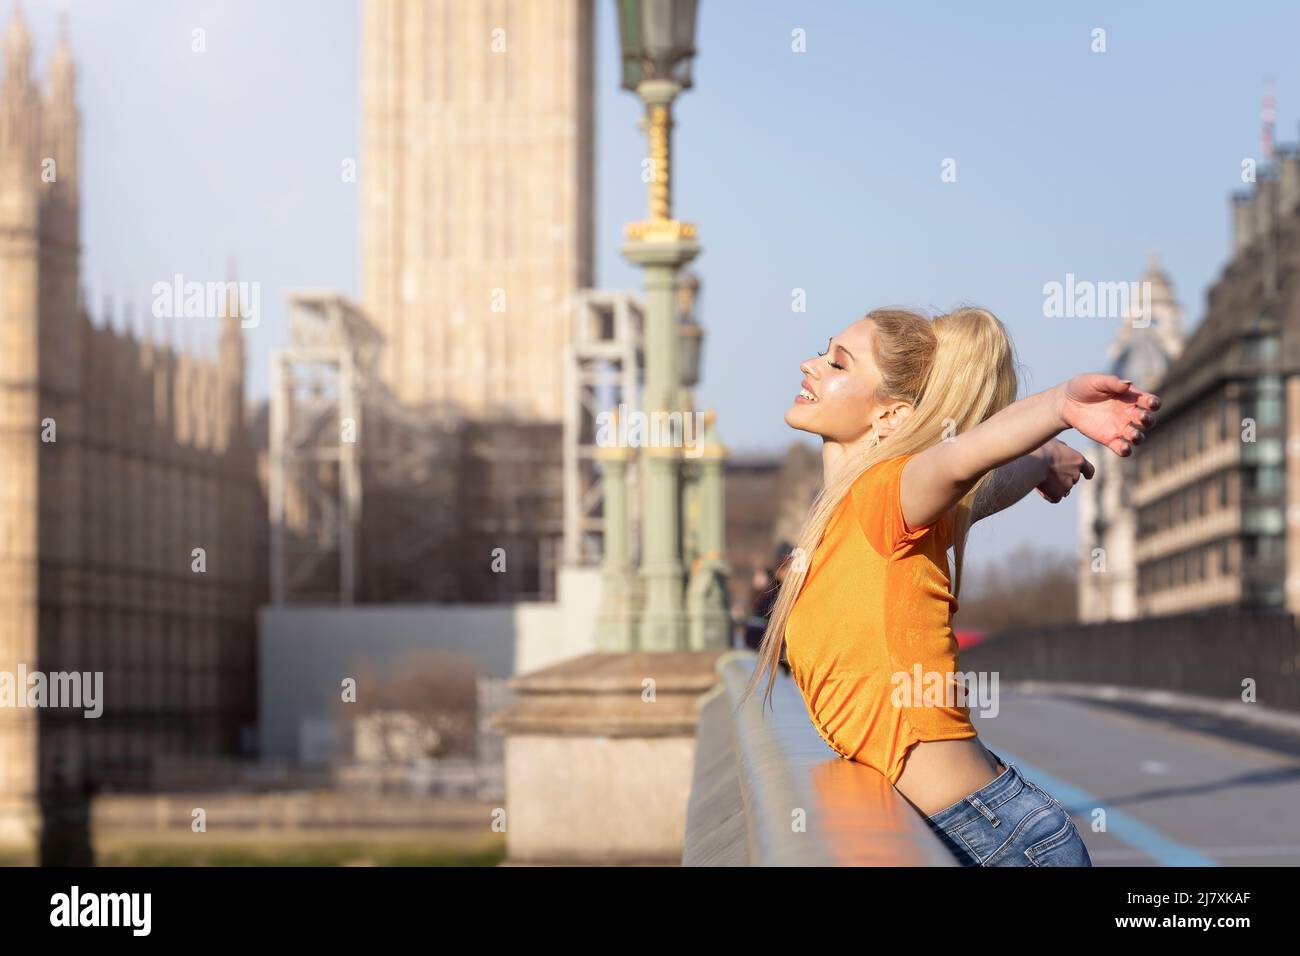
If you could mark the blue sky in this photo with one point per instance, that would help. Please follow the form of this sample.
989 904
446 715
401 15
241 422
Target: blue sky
817 170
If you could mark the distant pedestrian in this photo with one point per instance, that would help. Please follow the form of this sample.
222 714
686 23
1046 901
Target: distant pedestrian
765 588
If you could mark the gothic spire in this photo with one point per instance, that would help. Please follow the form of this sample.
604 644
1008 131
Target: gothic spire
18 47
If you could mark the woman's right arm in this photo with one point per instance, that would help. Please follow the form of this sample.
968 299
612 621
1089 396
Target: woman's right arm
1052 468
1009 484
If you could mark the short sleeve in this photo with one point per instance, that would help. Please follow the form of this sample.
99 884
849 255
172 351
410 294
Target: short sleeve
878 504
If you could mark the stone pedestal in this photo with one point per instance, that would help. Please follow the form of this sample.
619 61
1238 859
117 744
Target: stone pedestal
599 756
20 830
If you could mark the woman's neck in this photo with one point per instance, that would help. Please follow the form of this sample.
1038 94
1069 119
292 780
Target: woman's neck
834 454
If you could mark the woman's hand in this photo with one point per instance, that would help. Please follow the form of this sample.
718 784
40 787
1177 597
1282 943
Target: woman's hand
1109 410
1064 466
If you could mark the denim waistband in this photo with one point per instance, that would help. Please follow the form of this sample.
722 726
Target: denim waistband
1007 785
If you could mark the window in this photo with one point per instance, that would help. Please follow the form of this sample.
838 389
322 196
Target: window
1262 451
1262 520
1268 400
1260 348
1269 479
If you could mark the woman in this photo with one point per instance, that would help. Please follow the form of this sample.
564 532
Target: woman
921 436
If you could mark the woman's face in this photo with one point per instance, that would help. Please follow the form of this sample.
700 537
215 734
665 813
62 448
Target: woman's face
837 399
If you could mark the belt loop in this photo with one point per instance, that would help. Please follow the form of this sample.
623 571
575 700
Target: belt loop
978 804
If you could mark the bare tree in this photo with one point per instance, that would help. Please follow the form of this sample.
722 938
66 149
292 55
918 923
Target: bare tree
1030 586
425 704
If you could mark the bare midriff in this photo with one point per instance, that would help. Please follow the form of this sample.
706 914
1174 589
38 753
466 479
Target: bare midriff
938 773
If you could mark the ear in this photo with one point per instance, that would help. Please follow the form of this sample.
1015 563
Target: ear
890 417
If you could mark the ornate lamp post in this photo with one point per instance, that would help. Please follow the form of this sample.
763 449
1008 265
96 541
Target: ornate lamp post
657 38
585 755
690 336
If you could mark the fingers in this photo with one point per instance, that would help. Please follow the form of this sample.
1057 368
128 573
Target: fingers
1120 446
1135 431
1117 385
1088 469
1124 387
1142 398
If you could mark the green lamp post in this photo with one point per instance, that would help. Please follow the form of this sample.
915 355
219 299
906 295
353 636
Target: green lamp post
657 38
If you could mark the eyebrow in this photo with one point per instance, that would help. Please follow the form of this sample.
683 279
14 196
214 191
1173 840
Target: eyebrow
831 343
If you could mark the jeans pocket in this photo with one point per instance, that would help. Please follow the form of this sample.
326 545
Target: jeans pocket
1063 848
1024 819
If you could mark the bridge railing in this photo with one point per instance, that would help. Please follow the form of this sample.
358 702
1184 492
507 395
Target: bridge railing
767 791
1202 653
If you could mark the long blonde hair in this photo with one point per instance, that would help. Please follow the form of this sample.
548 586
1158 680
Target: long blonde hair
955 371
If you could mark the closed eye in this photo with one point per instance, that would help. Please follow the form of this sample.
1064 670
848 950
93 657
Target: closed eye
833 364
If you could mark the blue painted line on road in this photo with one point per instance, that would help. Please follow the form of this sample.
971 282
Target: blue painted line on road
1134 832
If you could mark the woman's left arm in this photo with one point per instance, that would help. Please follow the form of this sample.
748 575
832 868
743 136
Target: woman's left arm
1052 468
1105 408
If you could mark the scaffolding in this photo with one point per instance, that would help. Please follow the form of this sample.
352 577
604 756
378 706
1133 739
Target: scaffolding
375 501
603 370
338 436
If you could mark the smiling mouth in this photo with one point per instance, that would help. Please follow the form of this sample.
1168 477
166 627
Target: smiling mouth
805 395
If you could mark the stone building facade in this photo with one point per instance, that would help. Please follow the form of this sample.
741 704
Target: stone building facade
1149 338
1218 481
477 212
477 233
120 458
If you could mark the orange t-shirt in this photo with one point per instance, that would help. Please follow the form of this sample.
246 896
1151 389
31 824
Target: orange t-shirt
875 605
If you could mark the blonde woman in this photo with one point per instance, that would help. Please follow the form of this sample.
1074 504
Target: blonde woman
921 435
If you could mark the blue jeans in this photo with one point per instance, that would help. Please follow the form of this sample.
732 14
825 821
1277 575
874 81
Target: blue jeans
1010 822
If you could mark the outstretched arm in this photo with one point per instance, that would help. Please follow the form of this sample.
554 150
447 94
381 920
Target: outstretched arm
1009 484
1105 408
1052 468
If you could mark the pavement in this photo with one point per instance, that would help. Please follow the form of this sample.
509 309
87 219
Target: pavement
1154 779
